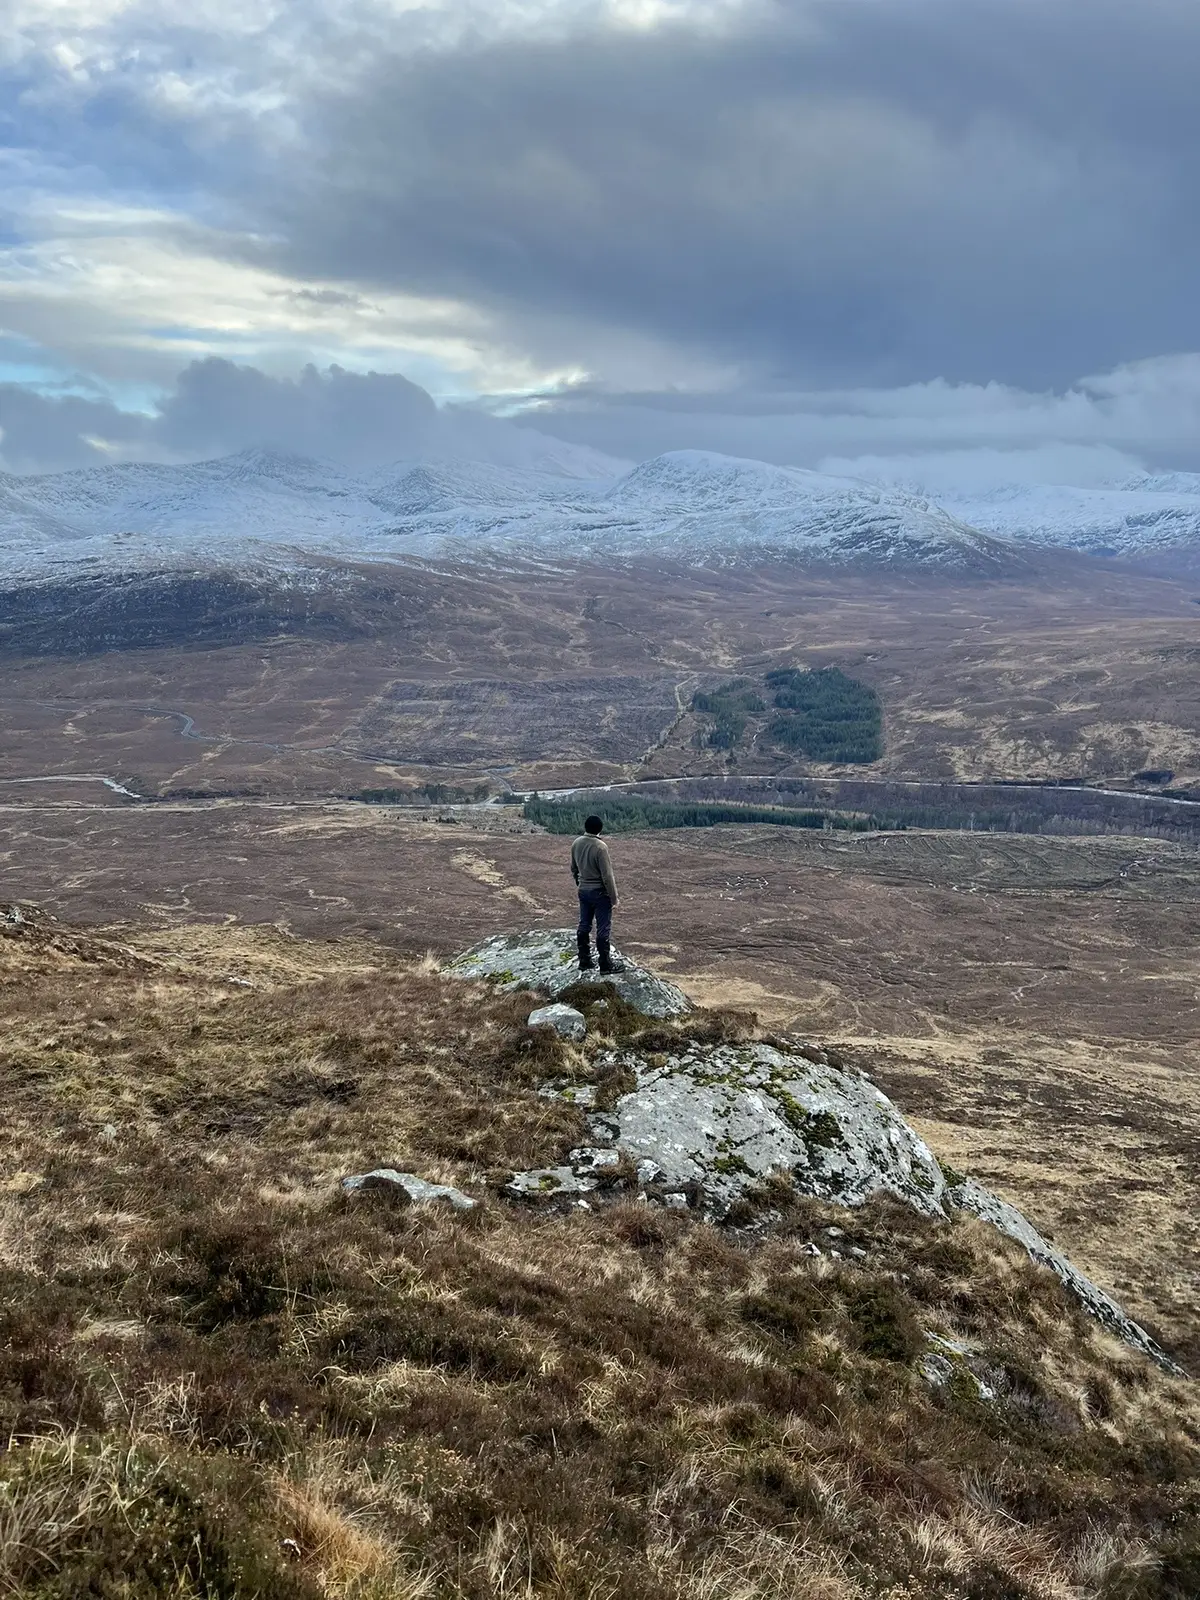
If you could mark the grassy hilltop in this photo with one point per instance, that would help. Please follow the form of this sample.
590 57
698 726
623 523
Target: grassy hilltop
222 1377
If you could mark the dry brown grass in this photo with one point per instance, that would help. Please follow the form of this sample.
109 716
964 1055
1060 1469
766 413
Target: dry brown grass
224 1378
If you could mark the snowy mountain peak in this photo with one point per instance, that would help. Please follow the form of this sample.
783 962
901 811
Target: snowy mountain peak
702 475
709 501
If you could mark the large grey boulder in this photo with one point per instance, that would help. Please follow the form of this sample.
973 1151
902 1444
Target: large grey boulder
546 959
970 1196
725 1117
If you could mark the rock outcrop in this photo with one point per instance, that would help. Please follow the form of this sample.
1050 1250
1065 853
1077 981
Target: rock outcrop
970 1196
709 1125
546 959
726 1117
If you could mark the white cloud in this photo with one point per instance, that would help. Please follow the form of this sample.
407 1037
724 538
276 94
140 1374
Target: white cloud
130 292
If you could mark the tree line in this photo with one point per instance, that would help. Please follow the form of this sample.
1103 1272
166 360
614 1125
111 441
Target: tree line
624 815
986 808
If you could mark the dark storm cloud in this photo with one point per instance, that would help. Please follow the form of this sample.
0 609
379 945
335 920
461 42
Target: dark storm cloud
837 191
217 408
50 433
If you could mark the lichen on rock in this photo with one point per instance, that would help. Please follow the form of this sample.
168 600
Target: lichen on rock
545 959
728 1116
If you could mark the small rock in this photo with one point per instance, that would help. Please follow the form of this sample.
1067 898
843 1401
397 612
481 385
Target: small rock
576 1094
936 1370
565 1020
649 1172
940 1369
417 1191
954 1346
589 1159
544 1183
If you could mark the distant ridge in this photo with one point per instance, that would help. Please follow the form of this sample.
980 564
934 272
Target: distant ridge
264 509
269 510
1140 517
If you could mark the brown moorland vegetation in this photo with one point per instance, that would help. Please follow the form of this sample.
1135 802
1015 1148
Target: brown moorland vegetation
546 676
222 1377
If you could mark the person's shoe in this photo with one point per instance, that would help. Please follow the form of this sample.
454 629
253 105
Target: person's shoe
608 962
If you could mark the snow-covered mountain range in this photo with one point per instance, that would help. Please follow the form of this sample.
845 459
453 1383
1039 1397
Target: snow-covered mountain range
269 511
266 509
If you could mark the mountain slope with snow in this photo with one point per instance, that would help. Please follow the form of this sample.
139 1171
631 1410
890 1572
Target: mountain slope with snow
1140 516
264 509
704 502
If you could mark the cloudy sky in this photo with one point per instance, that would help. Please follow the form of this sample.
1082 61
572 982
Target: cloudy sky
956 237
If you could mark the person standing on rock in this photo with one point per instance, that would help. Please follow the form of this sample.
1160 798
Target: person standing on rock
592 870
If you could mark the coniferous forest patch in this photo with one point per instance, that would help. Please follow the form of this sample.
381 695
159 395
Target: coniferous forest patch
825 715
819 714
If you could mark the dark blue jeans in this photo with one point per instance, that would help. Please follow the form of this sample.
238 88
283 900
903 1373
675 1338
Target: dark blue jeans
594 906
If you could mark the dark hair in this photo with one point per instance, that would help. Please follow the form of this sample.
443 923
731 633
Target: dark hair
592 824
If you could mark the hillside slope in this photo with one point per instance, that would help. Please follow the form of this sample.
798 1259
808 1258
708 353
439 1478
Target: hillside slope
225 1377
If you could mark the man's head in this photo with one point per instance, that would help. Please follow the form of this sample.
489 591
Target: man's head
593 824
